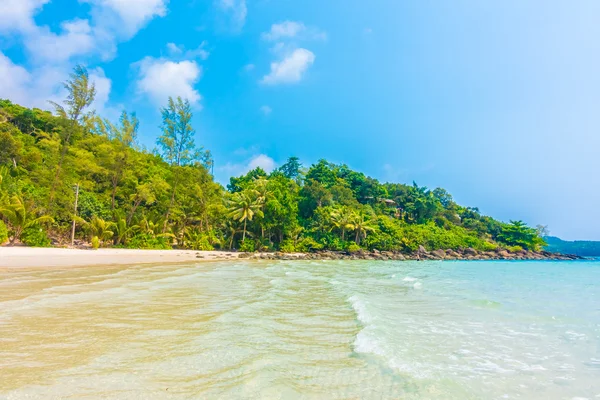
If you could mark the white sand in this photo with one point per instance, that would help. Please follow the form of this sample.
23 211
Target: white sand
26 257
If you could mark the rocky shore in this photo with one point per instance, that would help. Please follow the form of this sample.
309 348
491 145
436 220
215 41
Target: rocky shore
420 255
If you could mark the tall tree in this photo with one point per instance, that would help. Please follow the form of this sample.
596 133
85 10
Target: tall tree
124 135
80 95
177 141
291 169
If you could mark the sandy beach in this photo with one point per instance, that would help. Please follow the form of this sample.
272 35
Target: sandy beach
29 257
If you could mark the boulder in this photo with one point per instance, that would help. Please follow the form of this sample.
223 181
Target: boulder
440 254
471 251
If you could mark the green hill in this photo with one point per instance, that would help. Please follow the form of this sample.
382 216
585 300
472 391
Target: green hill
579 247
132 197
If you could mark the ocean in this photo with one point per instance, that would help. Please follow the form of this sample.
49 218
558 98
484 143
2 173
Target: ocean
303 330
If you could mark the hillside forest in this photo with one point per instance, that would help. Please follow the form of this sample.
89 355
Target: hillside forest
72 177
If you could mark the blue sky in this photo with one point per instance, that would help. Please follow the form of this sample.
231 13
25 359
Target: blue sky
496 101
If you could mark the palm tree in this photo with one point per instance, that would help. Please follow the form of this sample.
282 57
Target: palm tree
362 224
342 218
21 215
123 229
243 206
100 228
232 229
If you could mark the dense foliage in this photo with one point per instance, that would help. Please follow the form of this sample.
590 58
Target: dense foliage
131 197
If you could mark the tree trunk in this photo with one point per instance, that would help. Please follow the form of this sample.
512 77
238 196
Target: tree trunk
113 194
170 206
132 212
244 236
343 234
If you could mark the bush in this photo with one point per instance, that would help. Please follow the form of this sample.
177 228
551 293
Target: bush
3 233
514 249
247 246
308 244
353 248
147 241
95 243
35 236
200 243
287 246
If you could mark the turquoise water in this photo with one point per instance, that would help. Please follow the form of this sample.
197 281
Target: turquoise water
303 330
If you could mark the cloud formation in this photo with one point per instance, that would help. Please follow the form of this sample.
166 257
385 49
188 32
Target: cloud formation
161 78
293 29
51 55
291 68
236 11
266 110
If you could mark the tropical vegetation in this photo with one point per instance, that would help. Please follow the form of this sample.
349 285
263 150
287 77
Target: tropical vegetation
72 176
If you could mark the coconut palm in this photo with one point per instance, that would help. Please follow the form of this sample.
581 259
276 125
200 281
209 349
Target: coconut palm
100 228
21 215
123 229
243 206
342 219
232 228
362 225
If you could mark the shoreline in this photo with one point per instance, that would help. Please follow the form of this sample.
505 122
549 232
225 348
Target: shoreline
38 257
35 257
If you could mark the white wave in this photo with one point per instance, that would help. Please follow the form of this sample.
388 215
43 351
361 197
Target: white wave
410 279
361 310
418 285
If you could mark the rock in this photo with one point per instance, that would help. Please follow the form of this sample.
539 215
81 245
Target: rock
471 251
422 250
440 254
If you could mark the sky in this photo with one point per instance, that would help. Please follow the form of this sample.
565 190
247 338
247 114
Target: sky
498 101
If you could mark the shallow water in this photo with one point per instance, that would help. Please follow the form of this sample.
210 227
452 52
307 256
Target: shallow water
287 330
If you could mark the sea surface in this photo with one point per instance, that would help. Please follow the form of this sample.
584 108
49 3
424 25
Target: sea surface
303 330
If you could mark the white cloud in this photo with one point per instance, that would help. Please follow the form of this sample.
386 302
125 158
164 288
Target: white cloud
263 161
103 87
34 88
266 110
127 16
17 15
76 39
15 81
293 29
285 29
291 68
160 78
174 49
224 172
200 52
237 11
249 67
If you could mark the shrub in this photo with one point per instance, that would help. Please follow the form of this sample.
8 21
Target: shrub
514 249
287 246
95 243
308 244
3 233
35 236
353 248
147 241
199 243
247 246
